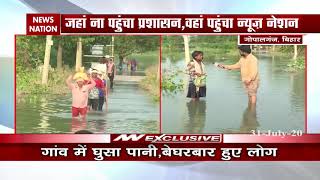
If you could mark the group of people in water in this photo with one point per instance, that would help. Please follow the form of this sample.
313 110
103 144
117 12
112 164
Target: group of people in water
90 90
248 66
131 65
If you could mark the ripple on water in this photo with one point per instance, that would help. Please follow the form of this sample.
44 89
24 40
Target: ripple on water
280 106
130 110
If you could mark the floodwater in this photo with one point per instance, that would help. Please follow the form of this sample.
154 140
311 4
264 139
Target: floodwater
129 110
280 103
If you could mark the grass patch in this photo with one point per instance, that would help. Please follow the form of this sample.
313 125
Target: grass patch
296 65
29 82
151 82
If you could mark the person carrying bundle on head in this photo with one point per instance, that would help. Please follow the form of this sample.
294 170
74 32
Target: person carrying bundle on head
80 92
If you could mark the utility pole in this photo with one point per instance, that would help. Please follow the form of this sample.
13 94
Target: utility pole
46 60
79 54
186 48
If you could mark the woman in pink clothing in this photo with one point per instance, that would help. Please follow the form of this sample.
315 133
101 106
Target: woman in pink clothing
80 93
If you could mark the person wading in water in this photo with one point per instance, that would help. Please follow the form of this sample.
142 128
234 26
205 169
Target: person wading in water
196 70
248 65
80 94
111 71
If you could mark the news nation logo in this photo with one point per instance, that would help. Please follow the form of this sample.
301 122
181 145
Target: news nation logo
164 138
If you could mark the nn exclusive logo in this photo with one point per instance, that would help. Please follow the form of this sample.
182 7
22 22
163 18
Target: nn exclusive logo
168 138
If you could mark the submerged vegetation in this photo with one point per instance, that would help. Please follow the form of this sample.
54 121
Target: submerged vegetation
171 84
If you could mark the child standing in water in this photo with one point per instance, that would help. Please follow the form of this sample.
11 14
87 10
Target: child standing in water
80 93
196 70
94 92
248 65
103 91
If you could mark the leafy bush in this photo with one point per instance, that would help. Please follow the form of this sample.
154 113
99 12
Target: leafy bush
29 82
296 65
151 83
171 84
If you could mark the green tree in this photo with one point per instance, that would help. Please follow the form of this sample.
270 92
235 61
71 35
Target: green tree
30 51
127 45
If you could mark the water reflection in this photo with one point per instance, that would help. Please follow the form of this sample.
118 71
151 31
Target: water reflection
249 120
280 105
78 124
99 123
197 116
44 118
128 110
96 123
297 95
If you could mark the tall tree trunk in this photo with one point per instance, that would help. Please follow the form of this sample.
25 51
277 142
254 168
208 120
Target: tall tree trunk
46 60
59 57
295 52
79 54
186 48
